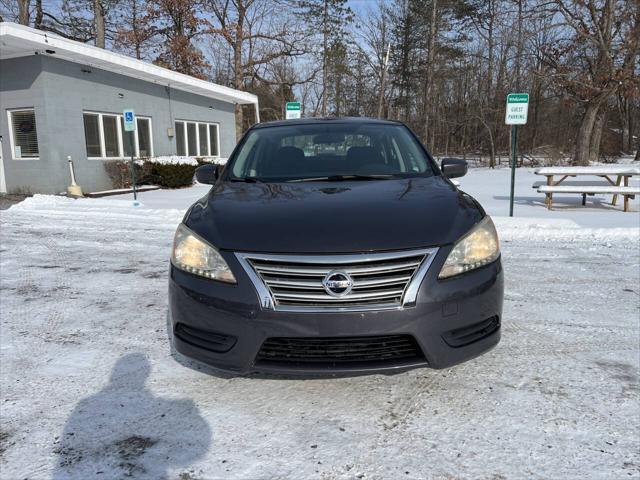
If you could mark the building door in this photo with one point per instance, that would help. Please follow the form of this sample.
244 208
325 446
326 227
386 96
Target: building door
3 183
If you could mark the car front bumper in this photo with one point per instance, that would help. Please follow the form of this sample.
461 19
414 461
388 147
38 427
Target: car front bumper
452 321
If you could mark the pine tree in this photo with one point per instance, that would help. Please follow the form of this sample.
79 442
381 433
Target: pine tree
331 18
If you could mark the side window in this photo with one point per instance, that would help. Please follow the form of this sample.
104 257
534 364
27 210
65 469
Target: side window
396 155
242 166
24 136
409 154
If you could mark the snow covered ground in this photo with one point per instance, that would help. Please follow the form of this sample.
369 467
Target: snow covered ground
89 388
491 188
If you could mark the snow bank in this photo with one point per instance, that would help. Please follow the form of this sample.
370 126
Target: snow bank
48 208
517 229
561 230
181 160
173 160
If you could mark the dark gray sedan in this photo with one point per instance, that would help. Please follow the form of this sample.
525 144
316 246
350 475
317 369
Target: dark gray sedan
334 245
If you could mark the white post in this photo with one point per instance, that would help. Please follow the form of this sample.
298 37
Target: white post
73 190
257 107
3 183
73 177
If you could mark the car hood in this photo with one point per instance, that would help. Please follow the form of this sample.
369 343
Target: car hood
333 217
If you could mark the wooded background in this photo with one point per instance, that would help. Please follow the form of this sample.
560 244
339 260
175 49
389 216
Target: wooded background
451 62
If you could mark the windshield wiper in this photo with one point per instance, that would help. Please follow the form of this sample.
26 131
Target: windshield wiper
246 179
340 178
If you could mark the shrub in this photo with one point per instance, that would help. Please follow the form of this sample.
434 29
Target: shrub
172 175
119 172
169 172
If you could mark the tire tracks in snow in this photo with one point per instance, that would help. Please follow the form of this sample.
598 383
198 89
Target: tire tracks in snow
30 287
546 339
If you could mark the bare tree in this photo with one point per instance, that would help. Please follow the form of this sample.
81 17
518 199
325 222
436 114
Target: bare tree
133 34
23 15
254 41
98 21
597 61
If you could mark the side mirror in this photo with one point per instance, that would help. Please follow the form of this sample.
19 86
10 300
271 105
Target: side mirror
207 174
454 167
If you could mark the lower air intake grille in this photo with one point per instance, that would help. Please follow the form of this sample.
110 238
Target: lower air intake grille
344 351
214 341
472 333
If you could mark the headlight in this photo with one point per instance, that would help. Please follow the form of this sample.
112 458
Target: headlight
477 248
192 254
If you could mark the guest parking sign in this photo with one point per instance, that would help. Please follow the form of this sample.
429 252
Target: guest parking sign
517 108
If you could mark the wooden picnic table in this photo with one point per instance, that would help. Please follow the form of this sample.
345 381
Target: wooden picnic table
616 178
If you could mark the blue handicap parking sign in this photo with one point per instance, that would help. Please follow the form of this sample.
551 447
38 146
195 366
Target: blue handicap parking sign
129 120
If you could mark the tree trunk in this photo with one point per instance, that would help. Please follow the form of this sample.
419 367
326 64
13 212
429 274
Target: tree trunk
631 121
23 12
431 54
325 41
519 48
98 20
237 69
492 144
383 79
583 141
135 27
39 15
623 110
596 136
489 85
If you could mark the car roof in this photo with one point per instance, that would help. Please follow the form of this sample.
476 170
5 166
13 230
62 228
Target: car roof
321 120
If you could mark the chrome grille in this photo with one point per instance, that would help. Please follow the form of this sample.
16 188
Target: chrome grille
378 280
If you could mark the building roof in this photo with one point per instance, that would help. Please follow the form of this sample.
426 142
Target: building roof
19 41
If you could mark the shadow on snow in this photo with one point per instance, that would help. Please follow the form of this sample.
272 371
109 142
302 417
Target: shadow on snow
126 431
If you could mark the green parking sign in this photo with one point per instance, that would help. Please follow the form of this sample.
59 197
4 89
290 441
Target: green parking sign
293 110
517 108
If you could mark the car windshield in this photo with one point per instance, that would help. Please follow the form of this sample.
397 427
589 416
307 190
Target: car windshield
329 151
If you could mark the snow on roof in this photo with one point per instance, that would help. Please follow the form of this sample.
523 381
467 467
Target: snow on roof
19 41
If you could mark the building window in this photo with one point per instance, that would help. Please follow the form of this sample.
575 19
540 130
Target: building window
111 142
213 140
126 141
197 139
105 136
191 139
202 137
24 136
92 135
181 149
144 137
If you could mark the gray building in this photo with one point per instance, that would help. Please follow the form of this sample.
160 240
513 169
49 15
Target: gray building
61 98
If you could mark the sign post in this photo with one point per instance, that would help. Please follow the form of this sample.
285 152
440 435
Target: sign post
292 110
129 118
516 114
